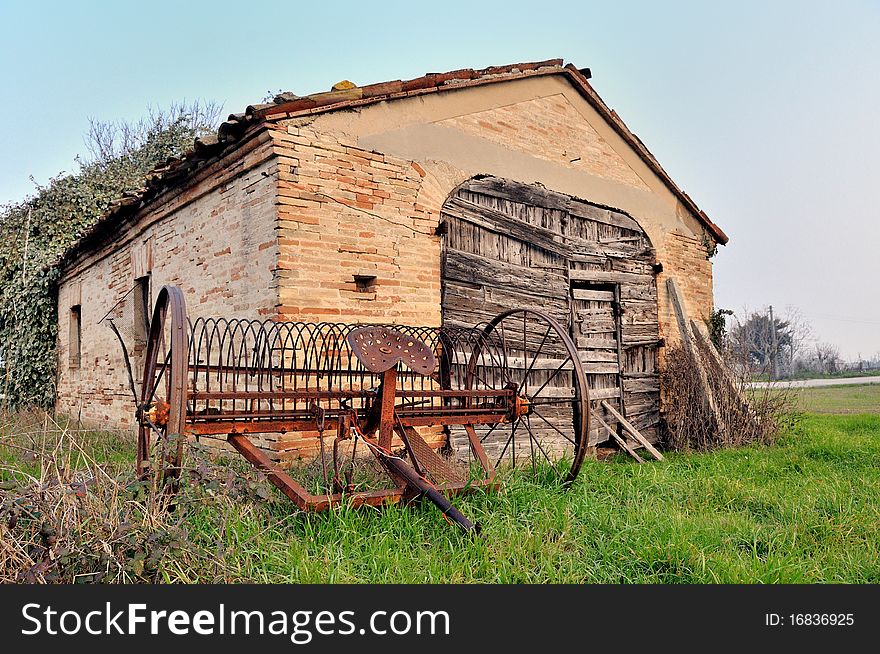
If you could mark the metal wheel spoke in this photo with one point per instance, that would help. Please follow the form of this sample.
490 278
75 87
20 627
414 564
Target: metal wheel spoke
561 433
525 360
512 432
532 450
504 347
534 359
162 370
550 378
493 428
537 442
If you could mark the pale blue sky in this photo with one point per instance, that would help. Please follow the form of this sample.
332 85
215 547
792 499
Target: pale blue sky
765 112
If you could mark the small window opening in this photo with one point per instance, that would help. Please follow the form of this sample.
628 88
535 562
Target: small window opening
141 313
75 336
365 283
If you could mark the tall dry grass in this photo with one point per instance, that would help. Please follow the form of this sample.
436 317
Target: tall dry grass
741 415
72 511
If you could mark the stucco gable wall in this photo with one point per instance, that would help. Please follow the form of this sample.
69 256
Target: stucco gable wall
531 130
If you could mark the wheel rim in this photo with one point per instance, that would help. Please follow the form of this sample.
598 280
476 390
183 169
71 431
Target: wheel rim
162 410
531 353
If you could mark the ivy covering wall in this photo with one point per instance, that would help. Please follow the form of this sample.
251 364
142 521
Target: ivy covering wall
36 231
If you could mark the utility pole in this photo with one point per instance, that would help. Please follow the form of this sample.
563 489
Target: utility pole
774 347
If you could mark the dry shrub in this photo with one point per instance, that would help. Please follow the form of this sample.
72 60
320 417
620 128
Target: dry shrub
72 511
747 416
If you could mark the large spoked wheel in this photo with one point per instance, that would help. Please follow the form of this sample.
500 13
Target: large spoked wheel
532 354
162 410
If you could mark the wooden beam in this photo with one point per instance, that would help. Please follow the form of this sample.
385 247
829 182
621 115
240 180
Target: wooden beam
632 430
492 273
609 277
702 334
601 296
623 444
688 337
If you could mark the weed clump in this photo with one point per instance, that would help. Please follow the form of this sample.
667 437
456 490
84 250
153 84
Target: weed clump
73 511
735 415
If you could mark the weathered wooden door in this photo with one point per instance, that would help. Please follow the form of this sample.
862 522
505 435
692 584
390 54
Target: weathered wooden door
511 245
595 316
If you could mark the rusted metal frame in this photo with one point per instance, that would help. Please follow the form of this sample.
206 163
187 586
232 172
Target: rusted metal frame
312 395
307 501
386 410
401 430
275 370
442 417
479 451
255 375
411 414
212 426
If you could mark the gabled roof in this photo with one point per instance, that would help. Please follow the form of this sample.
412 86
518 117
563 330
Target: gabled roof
287 105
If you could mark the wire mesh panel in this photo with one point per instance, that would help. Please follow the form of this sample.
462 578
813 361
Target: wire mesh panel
247 370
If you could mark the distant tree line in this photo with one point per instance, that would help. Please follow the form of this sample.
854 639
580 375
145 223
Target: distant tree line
778 346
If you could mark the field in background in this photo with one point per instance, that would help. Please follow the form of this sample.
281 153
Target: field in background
804 510
844 399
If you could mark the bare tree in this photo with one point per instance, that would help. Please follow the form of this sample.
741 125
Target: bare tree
768 343
828 356
107 141
800 336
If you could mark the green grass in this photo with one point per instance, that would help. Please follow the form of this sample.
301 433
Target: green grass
804 510
843 399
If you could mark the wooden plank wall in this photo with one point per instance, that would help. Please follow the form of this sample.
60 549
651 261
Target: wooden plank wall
511 245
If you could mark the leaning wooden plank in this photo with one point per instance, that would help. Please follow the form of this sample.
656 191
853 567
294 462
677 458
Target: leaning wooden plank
623 444
688 337
702 335
680 313
632 430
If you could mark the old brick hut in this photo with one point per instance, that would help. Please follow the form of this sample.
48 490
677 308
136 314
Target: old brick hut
445 198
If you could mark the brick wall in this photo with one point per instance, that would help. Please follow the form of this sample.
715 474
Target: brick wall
283 229
219 246
344 211
685 258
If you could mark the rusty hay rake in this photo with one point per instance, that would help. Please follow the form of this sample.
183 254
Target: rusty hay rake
508 392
